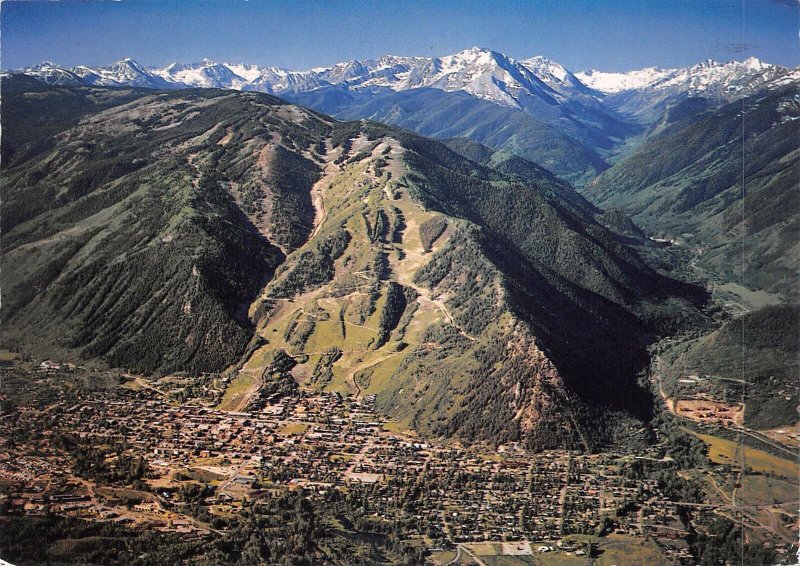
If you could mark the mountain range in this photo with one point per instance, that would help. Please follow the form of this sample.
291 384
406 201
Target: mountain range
731 198
475 294
463 282
483 73
578 119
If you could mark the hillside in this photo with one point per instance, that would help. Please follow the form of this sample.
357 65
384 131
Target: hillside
572 124
685 184
514 166
167 232
757 351
120 239
439 114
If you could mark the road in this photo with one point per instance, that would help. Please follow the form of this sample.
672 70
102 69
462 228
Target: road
317 197
351 377
472 555
233 476
457 557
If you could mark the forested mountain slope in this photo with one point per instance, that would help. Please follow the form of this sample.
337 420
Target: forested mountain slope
439 114
121 240
169 230
511 165
685 183
753 358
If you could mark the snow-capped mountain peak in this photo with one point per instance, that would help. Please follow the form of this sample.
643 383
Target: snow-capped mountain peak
713 79
473 55
755 63
45 65
709 78
248 72
51 73
612 83
545 69
477 71
128 65
483 73
555 75
708 63
205 74
125 72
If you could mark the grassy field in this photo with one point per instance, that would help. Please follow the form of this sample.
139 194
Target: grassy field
491 554
132 384
382 374
617 549
500 560
764 490
203 475
485 548
721 451
560 559
236 390
442 557
749 298
397 426
614 549
290 429
210 461
8 356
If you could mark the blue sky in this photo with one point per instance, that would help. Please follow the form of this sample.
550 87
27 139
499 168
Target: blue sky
610 35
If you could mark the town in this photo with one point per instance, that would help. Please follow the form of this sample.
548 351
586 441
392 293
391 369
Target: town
152 454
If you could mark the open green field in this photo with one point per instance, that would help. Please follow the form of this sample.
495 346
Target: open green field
8 356
442 557
293 429
397 426
752 299
485 548
765 490
500 560
721 451
236 391
614 549
491 554
203 475
617 549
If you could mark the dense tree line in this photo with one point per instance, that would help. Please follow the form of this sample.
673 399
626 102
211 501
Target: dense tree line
312 267
288 528
430 230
